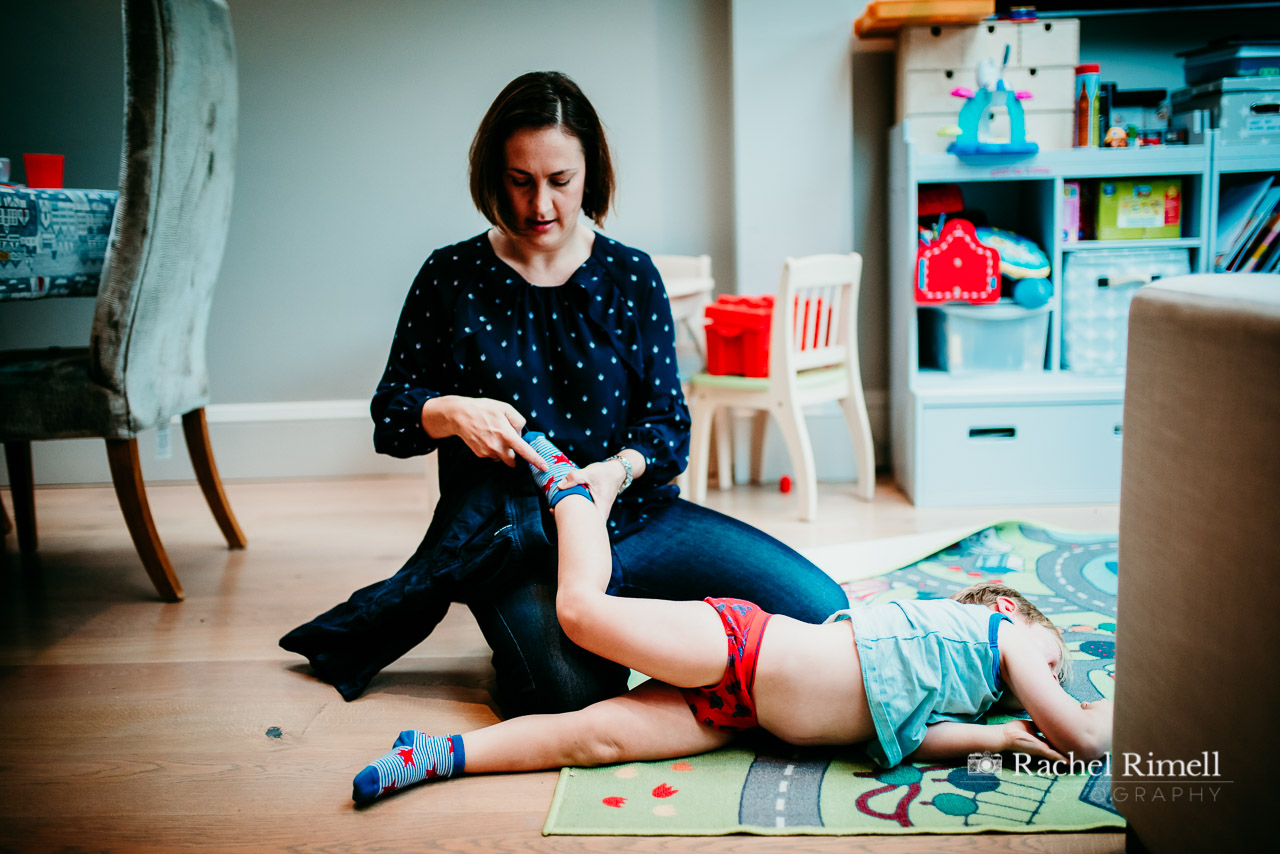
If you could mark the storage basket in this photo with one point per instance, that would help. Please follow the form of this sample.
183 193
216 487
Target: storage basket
1095 302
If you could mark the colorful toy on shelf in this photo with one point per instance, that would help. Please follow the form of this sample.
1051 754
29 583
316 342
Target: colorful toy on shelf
975 137
1022 261
955 266
1020 257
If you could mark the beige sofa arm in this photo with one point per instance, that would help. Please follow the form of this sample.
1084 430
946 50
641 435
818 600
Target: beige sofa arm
1197 645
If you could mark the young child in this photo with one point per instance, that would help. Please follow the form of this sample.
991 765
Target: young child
908 678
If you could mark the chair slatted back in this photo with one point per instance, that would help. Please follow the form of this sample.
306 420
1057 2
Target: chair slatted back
815 315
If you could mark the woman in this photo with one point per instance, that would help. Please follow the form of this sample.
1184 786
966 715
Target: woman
542 323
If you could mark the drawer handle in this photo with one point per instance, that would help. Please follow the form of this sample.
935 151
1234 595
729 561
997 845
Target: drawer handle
1108 282
992 432
1118 430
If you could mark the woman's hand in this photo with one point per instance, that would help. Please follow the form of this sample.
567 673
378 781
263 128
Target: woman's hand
490 428
1020 736
604 479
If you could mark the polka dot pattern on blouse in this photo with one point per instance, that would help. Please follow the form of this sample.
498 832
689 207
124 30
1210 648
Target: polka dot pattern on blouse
591 363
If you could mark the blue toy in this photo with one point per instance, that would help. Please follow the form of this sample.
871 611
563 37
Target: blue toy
975 116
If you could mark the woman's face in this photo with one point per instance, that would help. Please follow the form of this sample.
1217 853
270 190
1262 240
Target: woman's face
545 177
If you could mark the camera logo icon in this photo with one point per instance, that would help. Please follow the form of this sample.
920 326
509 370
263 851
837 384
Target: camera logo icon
985 762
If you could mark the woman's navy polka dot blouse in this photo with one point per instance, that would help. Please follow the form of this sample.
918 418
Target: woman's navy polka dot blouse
591 363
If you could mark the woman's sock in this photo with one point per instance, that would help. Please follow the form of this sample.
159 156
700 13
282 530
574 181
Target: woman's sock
415 757
559 464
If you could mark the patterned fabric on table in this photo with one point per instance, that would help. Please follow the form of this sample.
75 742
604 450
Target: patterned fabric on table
53 242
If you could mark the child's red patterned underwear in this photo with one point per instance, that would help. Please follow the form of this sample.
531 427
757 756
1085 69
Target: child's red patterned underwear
728 705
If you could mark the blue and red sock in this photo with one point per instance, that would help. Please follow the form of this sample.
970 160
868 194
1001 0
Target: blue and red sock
415 757
559 466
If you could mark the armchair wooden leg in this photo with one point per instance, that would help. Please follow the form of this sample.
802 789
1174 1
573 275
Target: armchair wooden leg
126 474
195 427
22 487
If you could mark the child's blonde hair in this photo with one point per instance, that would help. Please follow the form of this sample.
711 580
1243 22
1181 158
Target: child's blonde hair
987 593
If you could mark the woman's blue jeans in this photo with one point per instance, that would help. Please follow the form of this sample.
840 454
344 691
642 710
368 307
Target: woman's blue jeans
685 551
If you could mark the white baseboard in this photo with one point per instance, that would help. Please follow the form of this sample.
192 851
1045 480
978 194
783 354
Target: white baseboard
334 438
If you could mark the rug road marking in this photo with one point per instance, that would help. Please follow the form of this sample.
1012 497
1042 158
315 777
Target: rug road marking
781 804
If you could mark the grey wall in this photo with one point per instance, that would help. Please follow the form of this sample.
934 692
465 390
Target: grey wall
748 129
355 122
792 134
354 127
357 118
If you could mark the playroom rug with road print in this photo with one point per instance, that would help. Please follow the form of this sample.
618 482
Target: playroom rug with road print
762 786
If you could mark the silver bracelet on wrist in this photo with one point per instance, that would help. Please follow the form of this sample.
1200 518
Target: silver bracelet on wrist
626 464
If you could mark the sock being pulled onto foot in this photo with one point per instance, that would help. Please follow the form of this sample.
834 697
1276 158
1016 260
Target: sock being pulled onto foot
415 757
560 465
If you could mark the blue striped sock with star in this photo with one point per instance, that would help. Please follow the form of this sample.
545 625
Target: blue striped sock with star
414 757
560 465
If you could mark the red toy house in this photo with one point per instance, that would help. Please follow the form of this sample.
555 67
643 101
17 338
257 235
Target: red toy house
956 267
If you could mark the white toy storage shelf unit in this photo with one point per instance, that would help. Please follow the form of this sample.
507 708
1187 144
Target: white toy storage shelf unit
1047 435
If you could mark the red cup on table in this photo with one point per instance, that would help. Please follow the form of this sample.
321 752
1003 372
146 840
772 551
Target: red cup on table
44 171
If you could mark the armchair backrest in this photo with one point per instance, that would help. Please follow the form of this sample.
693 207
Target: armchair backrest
815 316
170 226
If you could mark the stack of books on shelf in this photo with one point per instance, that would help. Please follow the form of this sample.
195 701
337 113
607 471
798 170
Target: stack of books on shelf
1249 227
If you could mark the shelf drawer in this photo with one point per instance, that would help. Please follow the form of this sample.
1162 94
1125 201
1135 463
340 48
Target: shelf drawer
957 46
1065 453
1050 130
1051 85
928 90
1050 42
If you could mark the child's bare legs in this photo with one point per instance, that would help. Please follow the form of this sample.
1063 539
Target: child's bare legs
680 643
652 721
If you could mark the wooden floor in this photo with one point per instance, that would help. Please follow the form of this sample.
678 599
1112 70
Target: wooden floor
127 724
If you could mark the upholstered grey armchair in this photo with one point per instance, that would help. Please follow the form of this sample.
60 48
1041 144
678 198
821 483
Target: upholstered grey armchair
145 363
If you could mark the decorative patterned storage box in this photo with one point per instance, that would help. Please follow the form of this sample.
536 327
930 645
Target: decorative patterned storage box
1095 302
62 234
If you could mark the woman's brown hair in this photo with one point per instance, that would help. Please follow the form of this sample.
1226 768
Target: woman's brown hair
538 99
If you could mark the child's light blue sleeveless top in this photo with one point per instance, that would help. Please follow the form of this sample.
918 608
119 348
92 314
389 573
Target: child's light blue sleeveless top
924 662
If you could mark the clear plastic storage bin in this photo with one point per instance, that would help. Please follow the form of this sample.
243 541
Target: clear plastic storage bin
1000 337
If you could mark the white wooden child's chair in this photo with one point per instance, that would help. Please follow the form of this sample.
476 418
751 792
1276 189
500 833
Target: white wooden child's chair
813 358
